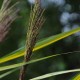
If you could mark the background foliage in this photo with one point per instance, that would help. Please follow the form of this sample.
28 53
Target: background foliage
56 22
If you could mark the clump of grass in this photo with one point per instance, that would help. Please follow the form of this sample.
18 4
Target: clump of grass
7 16
35 23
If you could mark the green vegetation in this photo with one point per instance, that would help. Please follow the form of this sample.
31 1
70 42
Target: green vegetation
44 59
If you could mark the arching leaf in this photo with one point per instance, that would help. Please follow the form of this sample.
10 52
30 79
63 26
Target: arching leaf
55 73
41 44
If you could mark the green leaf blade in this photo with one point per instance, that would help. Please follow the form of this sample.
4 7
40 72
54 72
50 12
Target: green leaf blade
54 74
39 45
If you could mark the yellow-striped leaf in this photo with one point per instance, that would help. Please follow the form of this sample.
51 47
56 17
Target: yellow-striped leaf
41 44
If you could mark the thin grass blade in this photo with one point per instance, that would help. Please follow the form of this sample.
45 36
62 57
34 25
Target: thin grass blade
7 73
11 71
54 74
32 61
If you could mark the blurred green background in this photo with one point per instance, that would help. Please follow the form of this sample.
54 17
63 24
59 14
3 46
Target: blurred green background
61 16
